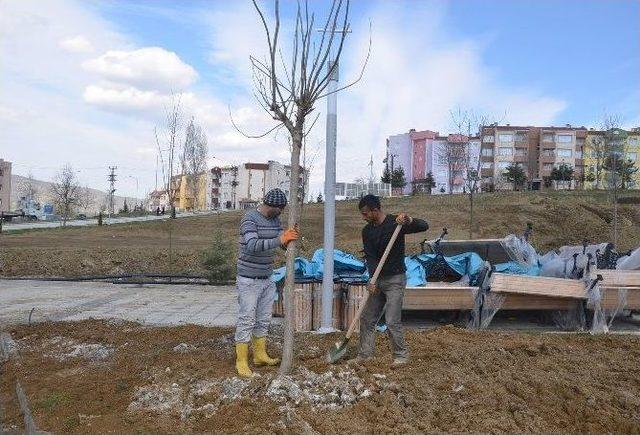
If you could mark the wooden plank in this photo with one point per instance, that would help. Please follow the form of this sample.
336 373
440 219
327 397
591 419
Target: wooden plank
625 278
302 304
610 298
337 306
29 425
515 301
538 286
439 298
353 298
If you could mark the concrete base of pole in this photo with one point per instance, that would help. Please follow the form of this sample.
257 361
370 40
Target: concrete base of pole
324 330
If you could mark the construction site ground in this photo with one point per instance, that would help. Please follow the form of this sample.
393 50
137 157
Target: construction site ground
116 376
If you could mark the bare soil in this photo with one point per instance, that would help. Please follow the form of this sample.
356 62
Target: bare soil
558 217
109 376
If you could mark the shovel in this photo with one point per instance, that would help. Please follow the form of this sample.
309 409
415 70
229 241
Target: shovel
338 350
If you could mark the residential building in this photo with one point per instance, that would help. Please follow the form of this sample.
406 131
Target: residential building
599 144
5 185
536 149
244 186
422 152
346 191
158 199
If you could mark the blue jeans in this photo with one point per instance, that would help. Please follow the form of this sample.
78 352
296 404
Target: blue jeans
255 301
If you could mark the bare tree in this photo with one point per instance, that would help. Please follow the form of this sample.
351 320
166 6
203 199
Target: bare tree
613 153
289 93
28 188
194 161
66 192
168 143
87 199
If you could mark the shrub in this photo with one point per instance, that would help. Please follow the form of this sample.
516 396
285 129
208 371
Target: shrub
220 261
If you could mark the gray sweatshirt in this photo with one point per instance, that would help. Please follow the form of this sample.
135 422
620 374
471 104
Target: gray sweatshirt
259 239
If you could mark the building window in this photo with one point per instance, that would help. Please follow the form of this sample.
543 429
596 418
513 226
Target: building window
505 151
520 152
487 152
548 153
488 139
503 165
506 137
564 138
632 156
521 137
547 137
487 165
547 166
565 153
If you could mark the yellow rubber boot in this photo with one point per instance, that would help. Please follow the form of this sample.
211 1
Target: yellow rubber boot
260 357
242 360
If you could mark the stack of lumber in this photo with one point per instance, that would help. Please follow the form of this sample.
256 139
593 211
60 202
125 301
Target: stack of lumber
538 293
439 296
614 283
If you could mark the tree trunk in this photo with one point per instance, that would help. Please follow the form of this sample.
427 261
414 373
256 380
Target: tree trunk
471 215
294 216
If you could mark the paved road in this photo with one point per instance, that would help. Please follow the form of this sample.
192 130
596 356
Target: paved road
8 227
149 304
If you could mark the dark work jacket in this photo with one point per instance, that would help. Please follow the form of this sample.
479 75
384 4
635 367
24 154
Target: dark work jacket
375 239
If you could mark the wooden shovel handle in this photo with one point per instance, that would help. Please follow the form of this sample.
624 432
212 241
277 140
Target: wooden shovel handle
374 279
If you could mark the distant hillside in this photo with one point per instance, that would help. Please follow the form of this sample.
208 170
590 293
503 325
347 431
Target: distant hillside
98 198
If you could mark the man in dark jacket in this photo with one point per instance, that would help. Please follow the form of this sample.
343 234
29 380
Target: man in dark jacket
389 288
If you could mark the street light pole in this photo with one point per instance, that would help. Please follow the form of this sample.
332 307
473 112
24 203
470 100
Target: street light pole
326 324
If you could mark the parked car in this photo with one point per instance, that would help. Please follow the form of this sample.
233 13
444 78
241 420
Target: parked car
81 216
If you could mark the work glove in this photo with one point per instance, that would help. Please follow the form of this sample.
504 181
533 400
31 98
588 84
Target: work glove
289 235
404 219
371 288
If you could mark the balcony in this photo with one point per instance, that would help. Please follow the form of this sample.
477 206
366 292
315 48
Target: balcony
521 159
486 172
547 159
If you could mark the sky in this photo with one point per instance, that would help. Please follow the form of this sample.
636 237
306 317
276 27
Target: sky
86 83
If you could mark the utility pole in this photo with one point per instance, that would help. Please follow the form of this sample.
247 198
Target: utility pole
326 324
112 183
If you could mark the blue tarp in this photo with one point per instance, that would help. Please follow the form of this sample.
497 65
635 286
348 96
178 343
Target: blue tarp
459 263
513 268
348 268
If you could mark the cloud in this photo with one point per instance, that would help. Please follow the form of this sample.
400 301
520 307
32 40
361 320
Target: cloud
124 99
77 44
149 68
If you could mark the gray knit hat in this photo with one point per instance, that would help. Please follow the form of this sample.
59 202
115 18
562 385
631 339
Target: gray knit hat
275 198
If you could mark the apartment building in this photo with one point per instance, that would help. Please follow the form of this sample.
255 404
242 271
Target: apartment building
598 144
422 152
244 186
5 185
536 149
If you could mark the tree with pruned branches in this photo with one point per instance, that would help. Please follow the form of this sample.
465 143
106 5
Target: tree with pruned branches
462 158
66 192
168 142
194 162
288 87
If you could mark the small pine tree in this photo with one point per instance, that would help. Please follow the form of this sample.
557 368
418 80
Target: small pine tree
386 175
397 178
219 260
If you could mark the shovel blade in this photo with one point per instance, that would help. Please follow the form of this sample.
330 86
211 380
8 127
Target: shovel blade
337 351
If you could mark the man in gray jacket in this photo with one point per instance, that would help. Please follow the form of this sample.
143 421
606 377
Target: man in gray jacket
260 235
